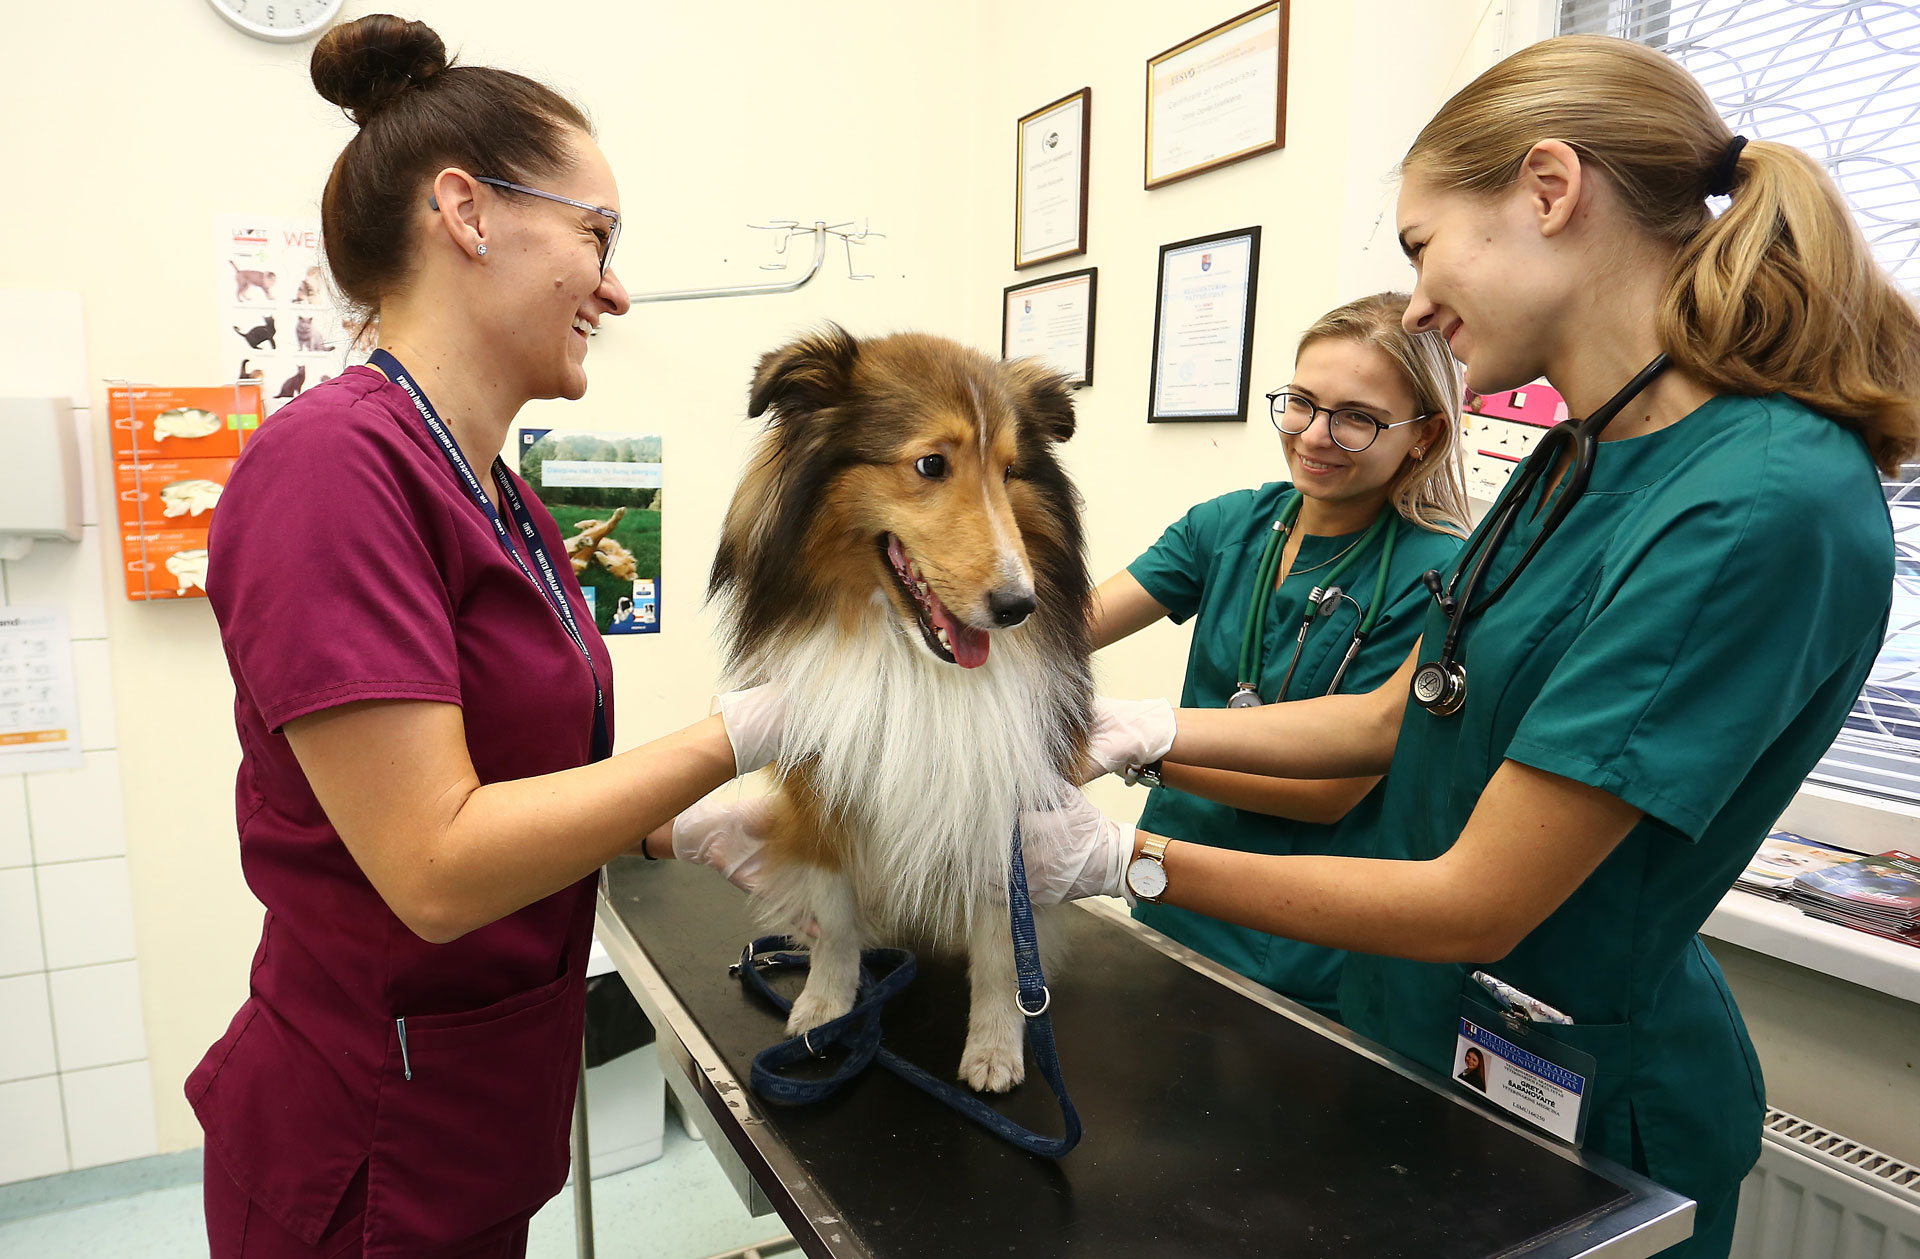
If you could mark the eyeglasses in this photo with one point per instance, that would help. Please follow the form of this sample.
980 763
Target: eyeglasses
1352 431
612 216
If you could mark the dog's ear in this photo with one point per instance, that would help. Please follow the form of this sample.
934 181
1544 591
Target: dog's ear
802 377
1042 399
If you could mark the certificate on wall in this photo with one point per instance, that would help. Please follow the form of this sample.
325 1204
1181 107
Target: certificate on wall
1052 320
1203 327
1218 98
1050 189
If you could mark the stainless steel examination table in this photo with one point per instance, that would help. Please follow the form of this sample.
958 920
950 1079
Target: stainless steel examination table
1220 1119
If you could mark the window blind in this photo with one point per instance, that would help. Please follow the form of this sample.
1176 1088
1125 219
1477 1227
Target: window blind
1839 79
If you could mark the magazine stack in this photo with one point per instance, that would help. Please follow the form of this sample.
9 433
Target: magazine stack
1785 856
1879 895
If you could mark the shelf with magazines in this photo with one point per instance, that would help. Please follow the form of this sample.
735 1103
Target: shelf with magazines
1778 929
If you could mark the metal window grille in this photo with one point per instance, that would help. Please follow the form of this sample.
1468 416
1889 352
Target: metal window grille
1839 79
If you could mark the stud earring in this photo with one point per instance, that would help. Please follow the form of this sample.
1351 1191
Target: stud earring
483 250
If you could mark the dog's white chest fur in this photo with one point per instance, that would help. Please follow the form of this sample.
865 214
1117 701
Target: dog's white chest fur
927 763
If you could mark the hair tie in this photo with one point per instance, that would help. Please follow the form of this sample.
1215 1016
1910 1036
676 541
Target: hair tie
1720 178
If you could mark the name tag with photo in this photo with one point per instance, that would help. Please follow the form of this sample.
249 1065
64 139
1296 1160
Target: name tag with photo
1524 1071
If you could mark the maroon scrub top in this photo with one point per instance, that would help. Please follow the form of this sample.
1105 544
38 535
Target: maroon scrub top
348 562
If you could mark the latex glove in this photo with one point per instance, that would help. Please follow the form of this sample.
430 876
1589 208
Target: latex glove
1126 732
755 719
725 834
1074 850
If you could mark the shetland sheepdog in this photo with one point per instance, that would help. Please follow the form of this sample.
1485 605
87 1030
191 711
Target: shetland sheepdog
904 553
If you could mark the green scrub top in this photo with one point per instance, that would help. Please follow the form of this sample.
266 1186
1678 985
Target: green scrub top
1204 566
1690 640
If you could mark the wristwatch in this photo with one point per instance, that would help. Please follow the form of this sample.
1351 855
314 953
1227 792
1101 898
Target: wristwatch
1148 774
1147 873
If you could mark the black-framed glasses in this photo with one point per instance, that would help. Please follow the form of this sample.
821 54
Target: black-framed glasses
1352 430
612 216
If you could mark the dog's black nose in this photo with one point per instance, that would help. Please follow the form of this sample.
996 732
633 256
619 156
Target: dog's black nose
1010 607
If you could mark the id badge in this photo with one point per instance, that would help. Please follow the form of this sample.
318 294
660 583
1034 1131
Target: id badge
1519 1067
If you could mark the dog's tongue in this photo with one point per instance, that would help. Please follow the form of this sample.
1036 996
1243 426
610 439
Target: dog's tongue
969 644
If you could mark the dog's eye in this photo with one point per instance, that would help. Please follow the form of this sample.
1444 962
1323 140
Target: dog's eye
932 467
1008 478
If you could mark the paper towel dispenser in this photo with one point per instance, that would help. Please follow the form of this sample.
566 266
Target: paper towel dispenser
39 474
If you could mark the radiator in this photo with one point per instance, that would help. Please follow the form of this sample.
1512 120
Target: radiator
1818 1195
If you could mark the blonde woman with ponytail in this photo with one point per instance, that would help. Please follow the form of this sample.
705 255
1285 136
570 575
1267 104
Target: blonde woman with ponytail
1645 697
1369 521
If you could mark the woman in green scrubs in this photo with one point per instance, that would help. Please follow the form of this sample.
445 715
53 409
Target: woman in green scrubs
1369 521
1648 694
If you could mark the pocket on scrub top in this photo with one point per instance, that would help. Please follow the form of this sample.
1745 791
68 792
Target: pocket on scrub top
478 1135
1610 1119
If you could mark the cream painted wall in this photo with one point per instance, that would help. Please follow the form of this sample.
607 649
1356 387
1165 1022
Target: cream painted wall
713 116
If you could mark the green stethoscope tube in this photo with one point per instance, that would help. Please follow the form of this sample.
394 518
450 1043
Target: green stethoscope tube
1252 638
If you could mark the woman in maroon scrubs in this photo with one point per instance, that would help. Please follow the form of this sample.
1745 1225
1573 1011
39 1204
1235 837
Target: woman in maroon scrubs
424 708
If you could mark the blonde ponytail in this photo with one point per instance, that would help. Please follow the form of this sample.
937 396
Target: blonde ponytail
1779 294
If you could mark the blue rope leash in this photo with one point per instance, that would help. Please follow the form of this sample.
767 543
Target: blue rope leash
884 973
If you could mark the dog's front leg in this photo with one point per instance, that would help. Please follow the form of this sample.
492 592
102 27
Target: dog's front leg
833 975
995 1057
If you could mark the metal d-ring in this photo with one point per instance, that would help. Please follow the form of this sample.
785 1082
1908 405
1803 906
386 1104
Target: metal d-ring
1046 999
806 1040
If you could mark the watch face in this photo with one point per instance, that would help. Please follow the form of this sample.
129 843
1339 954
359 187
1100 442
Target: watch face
1147 878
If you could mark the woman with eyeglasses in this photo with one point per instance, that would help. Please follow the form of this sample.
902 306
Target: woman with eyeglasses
424 708
1639 654
1367 425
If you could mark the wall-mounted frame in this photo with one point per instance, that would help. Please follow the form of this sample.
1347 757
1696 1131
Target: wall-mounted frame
1050 183
1218 98
1203 327
1052 320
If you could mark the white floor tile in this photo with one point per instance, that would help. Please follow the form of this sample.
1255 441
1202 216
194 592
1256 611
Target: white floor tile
77 813
86 912
15 849
20 950
109 1113
26 1028
96 1015
36 1143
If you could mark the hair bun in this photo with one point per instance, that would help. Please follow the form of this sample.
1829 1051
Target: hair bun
363 64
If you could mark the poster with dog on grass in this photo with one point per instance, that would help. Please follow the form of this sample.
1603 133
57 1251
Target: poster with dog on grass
604 492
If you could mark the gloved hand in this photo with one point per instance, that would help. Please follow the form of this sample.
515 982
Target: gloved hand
1073 850
725 834
755 719
1126 732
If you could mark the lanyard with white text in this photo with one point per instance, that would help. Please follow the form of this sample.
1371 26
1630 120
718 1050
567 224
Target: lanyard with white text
548 582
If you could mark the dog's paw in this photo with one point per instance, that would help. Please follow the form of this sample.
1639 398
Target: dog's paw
993 1068
812 1009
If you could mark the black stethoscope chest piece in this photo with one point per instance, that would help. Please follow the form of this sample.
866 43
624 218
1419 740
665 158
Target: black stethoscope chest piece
1440 686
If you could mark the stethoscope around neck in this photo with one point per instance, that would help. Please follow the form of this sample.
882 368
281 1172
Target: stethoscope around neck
1440 686
1321 601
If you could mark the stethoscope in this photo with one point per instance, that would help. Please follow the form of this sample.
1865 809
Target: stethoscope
1321 601
1440 686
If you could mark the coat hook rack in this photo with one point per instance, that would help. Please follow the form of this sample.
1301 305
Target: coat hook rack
786 231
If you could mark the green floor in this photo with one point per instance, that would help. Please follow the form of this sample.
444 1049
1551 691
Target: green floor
677 1207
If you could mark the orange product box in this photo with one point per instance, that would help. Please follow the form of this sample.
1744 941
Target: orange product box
164 563
150 422
169 493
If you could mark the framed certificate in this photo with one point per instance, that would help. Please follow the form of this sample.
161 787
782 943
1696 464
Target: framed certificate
1052 320
1220 97
1203 327
1050 188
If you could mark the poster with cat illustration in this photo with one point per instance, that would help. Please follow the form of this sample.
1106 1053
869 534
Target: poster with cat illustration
279 324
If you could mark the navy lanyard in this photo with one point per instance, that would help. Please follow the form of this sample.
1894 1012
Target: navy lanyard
548 582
